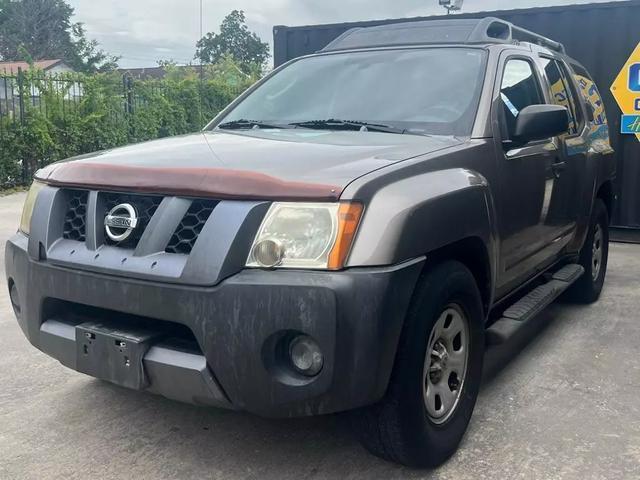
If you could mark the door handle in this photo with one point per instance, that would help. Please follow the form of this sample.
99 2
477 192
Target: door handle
558 168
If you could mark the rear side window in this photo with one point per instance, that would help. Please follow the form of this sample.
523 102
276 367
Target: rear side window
519 89
561 92
590 94
598 130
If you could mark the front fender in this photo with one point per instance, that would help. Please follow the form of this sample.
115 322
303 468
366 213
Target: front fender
417 215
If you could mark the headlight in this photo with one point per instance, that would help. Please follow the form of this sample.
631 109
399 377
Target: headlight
305 235
29 204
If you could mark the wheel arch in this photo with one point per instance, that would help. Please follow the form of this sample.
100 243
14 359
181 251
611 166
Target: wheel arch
435 214
605 193
472 252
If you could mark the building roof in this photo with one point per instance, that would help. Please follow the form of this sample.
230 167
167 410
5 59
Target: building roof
152 73
144 73
13 67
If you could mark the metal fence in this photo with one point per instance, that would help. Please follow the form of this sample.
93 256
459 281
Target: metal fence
23 91
65 100
20 91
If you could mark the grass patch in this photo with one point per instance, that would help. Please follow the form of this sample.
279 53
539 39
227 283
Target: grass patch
12 190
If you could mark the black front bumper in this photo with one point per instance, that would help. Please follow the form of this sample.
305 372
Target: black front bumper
356 317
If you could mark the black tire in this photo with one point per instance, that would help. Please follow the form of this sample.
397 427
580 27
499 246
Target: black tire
399 428
588 288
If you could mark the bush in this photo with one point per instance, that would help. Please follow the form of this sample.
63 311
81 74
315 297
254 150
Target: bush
69 115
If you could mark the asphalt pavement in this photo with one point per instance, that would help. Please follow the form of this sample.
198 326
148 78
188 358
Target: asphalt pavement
560 402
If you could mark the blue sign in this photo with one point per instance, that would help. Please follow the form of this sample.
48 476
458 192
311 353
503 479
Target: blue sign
630 124
634 77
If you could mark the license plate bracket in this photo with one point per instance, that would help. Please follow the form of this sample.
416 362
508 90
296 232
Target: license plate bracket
113 354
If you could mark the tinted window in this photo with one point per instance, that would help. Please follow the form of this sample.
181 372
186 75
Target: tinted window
427 91
518 90
573 96
598 131
590 94
561 92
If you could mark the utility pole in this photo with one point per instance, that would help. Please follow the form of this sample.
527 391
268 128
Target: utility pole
201 69
201 72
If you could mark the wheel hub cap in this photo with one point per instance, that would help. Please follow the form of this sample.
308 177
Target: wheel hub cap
439 360
445 364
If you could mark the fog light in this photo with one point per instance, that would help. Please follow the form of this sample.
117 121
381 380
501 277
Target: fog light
306 356
15 299
268 253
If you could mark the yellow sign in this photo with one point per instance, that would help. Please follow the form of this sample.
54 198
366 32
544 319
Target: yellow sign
626 90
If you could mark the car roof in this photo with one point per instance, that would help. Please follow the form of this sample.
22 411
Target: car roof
485 31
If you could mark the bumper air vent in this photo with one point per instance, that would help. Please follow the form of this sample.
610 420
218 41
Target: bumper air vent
75 219
185 236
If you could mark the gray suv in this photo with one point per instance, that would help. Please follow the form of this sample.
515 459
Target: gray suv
348 235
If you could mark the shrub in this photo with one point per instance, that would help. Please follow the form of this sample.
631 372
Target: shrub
72 114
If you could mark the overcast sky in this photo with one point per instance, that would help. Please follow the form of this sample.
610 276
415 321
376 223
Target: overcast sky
144 31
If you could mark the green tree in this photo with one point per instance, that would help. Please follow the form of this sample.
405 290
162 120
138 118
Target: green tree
86 56
235 40
44 29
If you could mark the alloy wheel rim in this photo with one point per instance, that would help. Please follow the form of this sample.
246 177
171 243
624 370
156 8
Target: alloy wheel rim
445 364
596 252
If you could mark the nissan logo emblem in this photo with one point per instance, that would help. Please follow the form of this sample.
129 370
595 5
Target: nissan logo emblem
120 222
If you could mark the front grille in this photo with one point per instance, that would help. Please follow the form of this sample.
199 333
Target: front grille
182 240
75 219
145 206
187 232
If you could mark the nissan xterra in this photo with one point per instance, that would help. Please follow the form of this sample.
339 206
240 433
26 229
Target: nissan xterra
348 234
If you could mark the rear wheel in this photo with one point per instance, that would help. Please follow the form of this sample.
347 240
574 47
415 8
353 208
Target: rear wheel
593 257
436 376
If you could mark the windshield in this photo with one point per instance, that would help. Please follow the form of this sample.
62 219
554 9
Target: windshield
420 91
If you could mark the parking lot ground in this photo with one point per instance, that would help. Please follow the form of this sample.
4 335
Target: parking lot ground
560 402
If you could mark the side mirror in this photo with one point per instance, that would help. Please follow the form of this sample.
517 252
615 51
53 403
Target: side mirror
537 122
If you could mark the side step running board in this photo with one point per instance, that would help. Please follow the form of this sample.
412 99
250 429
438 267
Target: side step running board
526 309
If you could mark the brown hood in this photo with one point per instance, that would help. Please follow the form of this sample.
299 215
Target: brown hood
187 181
285 165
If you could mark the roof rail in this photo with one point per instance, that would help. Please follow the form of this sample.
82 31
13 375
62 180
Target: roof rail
466 31
524 35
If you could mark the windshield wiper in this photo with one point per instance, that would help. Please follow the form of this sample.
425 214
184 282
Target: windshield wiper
335 124
243 124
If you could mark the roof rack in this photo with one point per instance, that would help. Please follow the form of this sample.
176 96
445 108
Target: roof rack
426 32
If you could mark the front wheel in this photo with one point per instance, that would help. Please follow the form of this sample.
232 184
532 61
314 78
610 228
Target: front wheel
436 376
593 257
